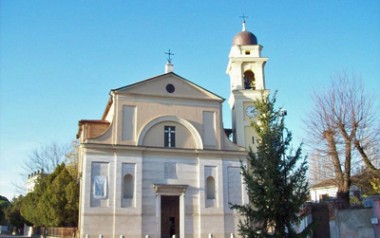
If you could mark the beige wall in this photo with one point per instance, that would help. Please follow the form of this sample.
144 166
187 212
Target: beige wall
140 108
111 219
146 112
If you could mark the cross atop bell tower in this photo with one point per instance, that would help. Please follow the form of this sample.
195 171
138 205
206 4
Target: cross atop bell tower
243 17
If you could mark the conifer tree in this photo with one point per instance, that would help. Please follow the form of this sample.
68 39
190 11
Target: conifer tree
275 178
54 201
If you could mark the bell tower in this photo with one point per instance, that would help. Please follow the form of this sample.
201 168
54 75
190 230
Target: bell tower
247 83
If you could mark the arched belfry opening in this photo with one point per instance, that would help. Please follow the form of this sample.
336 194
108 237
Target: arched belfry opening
249 80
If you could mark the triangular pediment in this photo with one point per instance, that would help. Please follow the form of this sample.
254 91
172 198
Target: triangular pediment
169 85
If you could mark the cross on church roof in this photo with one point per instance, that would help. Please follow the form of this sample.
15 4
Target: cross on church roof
169 58
244 17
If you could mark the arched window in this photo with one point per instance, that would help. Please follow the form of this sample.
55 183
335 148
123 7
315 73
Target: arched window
128 186
249 80
210 187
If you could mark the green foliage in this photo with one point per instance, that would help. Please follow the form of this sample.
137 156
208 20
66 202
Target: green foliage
13 214
54 201
29 209
4 204
355 201
375 183
275 179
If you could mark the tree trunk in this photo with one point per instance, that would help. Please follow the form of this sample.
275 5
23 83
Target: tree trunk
344 193
344 198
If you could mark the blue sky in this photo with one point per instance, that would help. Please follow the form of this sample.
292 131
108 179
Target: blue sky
59 59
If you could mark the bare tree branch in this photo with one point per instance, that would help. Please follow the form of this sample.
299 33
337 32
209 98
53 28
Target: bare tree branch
46 158
343 124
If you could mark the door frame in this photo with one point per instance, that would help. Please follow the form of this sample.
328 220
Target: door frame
170 190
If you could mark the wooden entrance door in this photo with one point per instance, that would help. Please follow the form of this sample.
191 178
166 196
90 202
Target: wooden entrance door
169 216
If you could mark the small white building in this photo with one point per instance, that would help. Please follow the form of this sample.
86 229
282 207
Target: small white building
32 180
327 189
323 190
159 162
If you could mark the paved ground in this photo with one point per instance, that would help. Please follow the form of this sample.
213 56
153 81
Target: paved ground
9 236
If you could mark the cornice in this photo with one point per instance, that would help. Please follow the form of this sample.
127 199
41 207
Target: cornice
144 149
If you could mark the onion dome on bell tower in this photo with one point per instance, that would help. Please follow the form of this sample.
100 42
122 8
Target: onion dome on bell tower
244 37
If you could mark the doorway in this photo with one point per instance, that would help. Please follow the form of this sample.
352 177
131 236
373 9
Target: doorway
169 216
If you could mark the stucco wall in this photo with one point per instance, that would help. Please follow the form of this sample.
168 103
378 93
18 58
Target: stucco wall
355 223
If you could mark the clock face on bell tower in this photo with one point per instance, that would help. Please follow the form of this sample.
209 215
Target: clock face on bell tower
247 84
250 111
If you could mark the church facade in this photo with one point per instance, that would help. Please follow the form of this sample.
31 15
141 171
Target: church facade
159 162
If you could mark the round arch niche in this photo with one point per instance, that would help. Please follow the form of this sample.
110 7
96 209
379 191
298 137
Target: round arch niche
155 125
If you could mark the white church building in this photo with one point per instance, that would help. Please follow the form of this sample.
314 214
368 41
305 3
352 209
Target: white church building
159 162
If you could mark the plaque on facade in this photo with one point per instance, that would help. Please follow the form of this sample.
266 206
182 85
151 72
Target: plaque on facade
170 170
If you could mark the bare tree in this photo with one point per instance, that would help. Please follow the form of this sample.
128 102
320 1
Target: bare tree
343 126
71 160
46 158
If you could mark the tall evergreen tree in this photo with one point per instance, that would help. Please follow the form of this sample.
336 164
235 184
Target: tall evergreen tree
54 201
275 178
